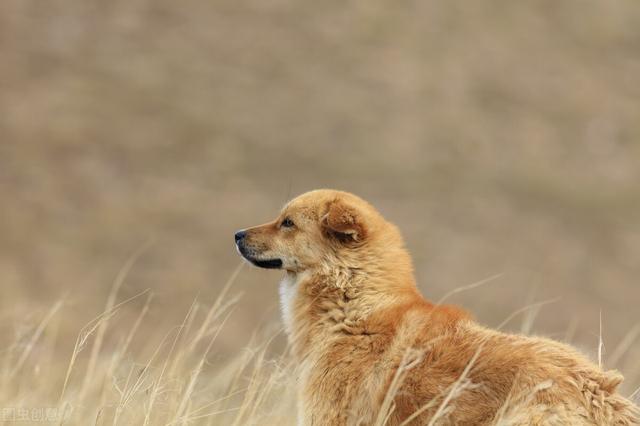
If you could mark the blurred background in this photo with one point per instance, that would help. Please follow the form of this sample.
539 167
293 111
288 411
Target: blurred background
502 137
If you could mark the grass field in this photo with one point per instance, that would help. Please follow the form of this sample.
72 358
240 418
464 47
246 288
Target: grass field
502 137
170 378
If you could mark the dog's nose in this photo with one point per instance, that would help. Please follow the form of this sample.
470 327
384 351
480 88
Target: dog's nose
240 235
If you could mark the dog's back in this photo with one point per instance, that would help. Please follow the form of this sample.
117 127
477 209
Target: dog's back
473 375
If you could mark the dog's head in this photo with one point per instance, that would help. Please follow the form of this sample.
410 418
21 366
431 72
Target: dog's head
315 230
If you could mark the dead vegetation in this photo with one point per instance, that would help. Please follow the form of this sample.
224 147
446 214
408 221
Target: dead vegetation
175 376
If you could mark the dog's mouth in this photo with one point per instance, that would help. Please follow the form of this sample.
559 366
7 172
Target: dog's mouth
260 263
267 264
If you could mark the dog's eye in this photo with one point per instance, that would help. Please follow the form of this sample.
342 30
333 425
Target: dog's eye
287 223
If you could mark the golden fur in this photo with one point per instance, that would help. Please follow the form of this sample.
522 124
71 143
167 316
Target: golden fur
371 349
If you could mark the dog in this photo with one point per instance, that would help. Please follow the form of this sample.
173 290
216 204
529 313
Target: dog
371 350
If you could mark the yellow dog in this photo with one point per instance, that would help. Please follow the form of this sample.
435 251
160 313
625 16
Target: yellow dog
371 349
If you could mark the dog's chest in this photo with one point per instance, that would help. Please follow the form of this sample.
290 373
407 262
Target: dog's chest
288 290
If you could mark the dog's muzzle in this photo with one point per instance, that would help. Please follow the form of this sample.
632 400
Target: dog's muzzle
250 254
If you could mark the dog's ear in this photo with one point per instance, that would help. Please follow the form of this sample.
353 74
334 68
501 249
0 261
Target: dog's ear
344 223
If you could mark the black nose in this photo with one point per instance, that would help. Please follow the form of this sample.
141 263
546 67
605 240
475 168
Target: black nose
240 235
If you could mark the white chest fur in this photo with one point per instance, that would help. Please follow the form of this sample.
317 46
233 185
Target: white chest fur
288 290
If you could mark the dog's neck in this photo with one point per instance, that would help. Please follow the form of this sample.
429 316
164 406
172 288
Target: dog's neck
337 302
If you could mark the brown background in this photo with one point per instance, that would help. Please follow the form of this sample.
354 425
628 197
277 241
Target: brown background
501 136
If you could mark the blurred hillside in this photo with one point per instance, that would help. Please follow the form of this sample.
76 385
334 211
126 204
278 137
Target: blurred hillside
501 136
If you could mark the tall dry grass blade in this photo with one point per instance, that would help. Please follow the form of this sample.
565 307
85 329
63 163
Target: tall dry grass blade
184 332
513 412
624 345
156 386
524 309
254 388
600 342
122 350
154 389
219 400
419 412
196 373
34 338
111 300
123 396
410 359
269 382
456 386
571 330
242 362
211 414
468 287
98 417
211 315
529 318
85 333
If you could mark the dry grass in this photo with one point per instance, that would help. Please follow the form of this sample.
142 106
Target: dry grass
170 379
167 380
501 136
